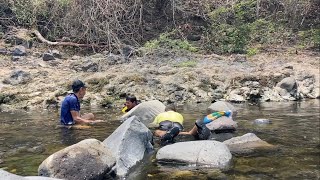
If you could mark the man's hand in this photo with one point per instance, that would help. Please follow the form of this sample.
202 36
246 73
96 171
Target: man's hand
96 121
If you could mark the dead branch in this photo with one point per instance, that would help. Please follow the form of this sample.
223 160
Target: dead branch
42 39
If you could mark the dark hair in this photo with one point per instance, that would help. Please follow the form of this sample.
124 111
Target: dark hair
171 107
76 85
131 98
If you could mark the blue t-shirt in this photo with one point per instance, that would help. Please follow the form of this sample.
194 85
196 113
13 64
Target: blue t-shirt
70 103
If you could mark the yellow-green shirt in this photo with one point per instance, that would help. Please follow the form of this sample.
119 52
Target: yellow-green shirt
170 116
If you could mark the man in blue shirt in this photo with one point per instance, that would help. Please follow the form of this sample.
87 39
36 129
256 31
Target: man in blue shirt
70 107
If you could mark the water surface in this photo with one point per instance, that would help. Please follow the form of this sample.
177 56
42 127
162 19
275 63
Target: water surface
27 138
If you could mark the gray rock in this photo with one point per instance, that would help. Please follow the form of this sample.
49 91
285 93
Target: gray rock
127 51
200 153
113 59
90 66
235 98
19 51
18 77
222 106
36 149
47 57
247 144
56 54
222 123
4 175
146 111
16 58
129 142
287 87
88 159
4 51
40 178
262 121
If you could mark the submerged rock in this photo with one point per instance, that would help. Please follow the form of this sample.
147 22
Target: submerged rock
88 159
247 144
199 153
129 142
262 121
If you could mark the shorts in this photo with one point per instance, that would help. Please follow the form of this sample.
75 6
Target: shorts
167 125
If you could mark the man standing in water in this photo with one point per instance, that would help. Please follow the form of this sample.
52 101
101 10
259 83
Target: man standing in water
70 107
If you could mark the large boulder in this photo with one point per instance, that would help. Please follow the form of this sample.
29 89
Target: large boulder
222 106
129 142
247 144
222 123
4 175
200 153
288 88
88 159
146 111
40 178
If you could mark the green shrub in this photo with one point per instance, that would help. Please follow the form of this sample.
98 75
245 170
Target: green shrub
252 51
166 41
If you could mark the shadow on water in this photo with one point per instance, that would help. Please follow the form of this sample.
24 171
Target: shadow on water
27 138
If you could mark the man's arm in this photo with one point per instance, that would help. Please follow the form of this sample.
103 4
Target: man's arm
76 117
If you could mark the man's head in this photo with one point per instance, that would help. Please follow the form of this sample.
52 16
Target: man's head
170 107
79 88
131 102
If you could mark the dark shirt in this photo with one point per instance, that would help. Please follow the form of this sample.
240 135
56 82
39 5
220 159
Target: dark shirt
70 103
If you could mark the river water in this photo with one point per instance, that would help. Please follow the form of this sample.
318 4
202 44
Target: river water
27 138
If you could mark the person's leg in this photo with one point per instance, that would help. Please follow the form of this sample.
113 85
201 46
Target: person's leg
159 133
88 116
193 131
167 132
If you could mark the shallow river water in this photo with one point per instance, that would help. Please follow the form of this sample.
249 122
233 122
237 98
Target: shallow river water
27 138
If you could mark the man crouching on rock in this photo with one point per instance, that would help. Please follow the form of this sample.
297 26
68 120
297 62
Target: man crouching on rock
169 124
70 107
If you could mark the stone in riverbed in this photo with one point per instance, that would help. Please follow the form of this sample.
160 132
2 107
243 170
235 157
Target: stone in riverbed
146 111
262 121
88 159
222 106
129 142
248 143
198 153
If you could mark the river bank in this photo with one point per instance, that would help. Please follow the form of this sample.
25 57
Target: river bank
40 76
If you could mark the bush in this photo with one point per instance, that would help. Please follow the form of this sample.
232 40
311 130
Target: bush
166 41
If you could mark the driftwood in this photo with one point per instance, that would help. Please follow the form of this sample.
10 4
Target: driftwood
42 39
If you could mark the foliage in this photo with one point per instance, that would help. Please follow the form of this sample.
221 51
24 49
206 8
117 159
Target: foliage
252 51
165 41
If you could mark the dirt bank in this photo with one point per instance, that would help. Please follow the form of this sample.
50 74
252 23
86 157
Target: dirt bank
31 81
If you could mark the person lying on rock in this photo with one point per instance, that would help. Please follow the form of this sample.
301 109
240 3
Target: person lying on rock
131 102
70 107
169 124
200 130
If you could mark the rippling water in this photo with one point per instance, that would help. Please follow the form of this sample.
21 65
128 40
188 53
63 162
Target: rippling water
27 138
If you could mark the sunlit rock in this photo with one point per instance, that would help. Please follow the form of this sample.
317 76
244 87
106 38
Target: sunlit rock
128 143
88 159
198 153
247 143
146 111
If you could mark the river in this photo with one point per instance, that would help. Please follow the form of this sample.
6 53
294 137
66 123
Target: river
27 138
